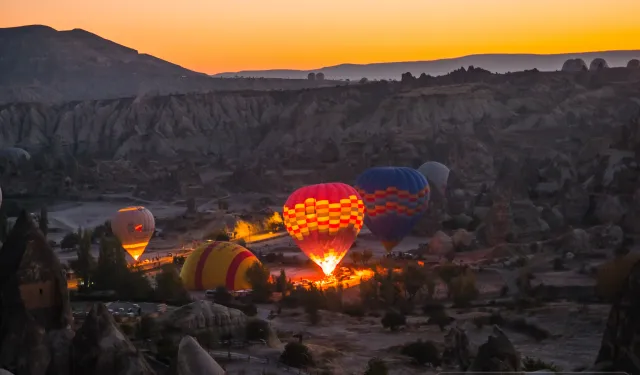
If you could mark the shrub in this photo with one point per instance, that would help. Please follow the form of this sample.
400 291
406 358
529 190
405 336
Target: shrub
353 309
558 264
376 366
257 329
523 326
463 289
393 320
534 364
222 236
297 355
432 307
128 330
148 327
422 352
70 241
440 319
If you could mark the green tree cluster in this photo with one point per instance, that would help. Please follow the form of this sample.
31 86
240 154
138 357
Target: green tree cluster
112 272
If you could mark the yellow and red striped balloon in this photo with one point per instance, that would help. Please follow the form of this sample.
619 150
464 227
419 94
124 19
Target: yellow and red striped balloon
324 220
217 264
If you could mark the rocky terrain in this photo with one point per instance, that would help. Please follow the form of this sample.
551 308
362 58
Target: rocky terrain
566 127
39 336
40 64
498 63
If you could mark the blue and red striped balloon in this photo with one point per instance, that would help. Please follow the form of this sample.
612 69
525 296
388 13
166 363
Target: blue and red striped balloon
395 199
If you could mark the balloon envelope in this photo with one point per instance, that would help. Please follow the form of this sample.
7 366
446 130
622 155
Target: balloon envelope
395 199
437 174
218 263
133 226
324 220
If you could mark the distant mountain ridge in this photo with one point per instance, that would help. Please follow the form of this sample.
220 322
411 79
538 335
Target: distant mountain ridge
41 64
496 63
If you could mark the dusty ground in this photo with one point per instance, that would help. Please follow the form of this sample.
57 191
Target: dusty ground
345 344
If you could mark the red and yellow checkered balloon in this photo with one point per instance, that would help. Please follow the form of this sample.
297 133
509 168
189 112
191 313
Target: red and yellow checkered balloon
324 220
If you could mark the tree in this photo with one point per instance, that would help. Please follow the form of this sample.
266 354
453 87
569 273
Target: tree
313 301
4 226
169 286
149 327
463 289
356 256
393 320
367 254
447 272
297 355
281 283
70 241
84 265
257 329
413 279
376 366
258 277
43 221
113 273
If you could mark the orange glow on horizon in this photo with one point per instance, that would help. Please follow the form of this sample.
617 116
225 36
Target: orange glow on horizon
220 36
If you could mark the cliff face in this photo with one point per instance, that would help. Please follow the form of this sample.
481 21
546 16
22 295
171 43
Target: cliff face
342 129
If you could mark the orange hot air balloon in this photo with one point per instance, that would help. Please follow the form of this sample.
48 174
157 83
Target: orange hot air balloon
133 226
324 220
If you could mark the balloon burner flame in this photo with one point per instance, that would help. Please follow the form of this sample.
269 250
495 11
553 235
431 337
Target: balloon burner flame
328 262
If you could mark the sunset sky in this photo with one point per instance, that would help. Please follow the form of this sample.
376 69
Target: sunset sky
214 36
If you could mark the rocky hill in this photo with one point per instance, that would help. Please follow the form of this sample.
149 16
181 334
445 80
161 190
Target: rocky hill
497 63
38 63
470 120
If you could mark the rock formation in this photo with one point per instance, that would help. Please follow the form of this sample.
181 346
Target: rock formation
99 347
35 316
598 64
193 360
205 320
574 65
619 350
469 126
497 355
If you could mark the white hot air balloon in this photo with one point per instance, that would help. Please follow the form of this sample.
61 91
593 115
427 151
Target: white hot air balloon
437 174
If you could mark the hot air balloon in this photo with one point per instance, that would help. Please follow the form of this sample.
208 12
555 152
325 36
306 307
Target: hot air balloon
324 220
395 199
217 264
437 174
133 226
